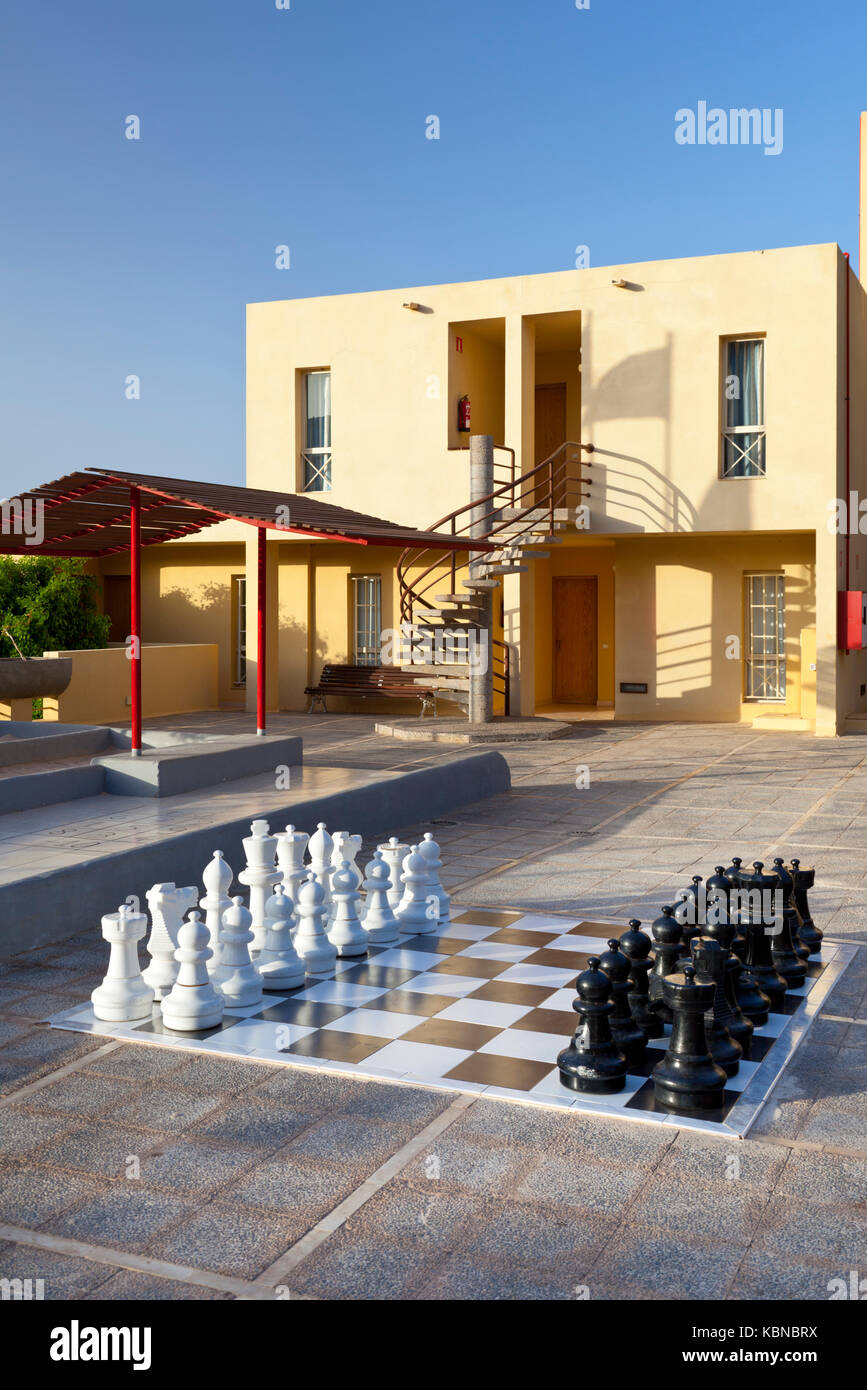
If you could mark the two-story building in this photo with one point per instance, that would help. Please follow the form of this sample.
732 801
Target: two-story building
679 559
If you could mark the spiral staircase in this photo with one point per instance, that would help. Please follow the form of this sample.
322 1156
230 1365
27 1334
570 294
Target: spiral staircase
522 515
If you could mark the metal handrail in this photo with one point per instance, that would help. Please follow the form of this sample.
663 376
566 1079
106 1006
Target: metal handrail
550 472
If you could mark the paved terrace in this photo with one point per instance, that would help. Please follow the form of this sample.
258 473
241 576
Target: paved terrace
129 1172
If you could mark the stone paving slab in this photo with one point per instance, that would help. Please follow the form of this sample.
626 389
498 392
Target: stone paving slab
501 1201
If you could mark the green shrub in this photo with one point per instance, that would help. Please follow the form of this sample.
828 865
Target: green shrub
49 604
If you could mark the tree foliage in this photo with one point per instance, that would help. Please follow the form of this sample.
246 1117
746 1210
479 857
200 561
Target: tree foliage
49 604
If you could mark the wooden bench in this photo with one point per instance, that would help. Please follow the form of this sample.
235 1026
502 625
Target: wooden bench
389 682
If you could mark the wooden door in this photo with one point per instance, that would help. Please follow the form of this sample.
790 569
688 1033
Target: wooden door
573 626
115 600
550 427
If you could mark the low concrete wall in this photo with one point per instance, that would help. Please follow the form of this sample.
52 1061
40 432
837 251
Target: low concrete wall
51 906
175 678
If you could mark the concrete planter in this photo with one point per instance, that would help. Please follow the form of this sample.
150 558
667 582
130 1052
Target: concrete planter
32 677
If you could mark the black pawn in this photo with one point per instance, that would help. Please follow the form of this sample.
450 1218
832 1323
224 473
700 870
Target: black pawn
808 932
719 890
740 1027
759 967
791 919
689 911
688 1078
593 1062
626 1032
733 870
709 960
636 946
668 948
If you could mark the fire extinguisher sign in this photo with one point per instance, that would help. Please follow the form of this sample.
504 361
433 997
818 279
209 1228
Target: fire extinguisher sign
459 344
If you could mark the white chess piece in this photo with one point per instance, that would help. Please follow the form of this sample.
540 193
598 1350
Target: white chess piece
290 860
346 931
430 853
123 994
239 981
167 905
346 847
217 879
260 875
279 963
418 909
311 942
320 848
380 922
194 1003
394 852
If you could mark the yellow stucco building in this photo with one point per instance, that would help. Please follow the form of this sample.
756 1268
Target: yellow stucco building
691 568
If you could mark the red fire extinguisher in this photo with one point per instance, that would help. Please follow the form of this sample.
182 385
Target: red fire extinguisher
464 414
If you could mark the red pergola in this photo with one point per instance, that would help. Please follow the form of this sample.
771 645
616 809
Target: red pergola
99 512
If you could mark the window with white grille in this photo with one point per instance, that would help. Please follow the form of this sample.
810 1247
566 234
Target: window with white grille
316 450
744 408
765 661
366 600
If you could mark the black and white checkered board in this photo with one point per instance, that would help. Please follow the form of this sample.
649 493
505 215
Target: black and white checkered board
481 1005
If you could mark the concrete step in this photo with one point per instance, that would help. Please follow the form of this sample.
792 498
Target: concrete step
443 682
784 723
449 600
481 584
507 569
459 669
541 514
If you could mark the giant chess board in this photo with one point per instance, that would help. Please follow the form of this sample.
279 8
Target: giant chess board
483 1006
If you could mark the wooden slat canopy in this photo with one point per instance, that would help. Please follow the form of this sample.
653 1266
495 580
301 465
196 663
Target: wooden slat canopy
89 514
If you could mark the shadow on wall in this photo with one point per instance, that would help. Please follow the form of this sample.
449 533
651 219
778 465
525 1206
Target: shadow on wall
640 494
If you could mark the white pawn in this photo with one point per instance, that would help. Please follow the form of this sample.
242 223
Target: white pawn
394 853
346 931
418 909
311 942
430 853
239 980
217 879
194 1003
380 922
320 848
167 905
260 875
123 994
290 860
279 964
346 847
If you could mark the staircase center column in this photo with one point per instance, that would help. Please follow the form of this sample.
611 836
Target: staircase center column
481 695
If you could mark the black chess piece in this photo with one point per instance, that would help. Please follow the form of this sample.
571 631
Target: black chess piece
790 911
719 891
733 870
808 932
593 1062
759 965
787 963
668 948
688 1078
739 1025
709 960
636 946
690 910
626 1032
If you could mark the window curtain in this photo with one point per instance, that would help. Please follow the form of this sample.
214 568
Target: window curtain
319 410
745 364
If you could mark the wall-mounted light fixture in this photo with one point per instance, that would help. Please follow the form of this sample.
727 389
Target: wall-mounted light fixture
621 284
413 305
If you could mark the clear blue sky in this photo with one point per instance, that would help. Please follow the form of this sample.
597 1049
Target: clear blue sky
306 126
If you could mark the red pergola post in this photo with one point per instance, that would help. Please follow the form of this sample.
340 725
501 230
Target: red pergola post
135 619
261 639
